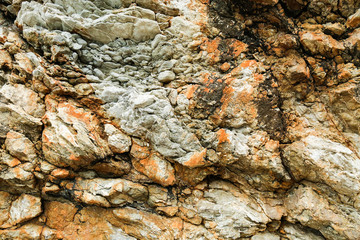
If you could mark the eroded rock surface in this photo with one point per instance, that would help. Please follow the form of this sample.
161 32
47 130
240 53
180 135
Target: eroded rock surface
168 119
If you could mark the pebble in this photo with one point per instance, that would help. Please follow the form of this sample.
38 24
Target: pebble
166 76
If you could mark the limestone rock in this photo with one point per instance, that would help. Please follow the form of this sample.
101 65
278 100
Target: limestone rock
109 192
71 137
20 146
152 165
25 98
24 208
166 76
168 119
14 115
321 160
146 114
228 210
118 142
103 26
312 209
145 225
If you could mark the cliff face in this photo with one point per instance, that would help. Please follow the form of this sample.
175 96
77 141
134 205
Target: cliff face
180 119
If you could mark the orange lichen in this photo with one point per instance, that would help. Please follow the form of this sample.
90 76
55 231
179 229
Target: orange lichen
223 136
189 93
196 160
247 63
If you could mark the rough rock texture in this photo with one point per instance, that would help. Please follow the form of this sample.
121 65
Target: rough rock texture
180 119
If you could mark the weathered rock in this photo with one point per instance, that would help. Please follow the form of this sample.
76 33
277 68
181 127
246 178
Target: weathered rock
28 231
68 222
106 27
14 176
146 114
25 98
308 206
166 76
320 43
20 146
71 136
24 208
118 142
167 119
321 160
152 165
234 213
354 20
145 225
296 232
108 192
16 115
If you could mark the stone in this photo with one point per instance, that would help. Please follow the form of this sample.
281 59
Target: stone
229 210
24 208
320 43
354 20
118 142
293 232
28 231
70 136
16 177
145 29
109 192
145 225
149 119
166 76
113 168
153 165
20 146
265 236
13 116
24 63
144 113
325 161
105 28
68 222
5 59
25 98
336 29
312 209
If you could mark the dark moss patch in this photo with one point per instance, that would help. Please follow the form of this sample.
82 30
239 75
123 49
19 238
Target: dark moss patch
270 117
207 98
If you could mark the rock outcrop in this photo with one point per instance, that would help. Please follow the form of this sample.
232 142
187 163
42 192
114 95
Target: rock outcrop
168 119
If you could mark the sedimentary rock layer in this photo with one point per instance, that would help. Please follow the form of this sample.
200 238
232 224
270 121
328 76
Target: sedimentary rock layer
170 119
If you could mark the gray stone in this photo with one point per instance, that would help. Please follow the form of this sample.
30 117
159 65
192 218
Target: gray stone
235 214
166 76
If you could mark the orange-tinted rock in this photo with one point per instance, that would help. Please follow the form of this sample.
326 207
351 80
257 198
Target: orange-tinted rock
196 160
24 208
152 164
28 231
143 225
156 168
118 141
5 59
72 136
24 63
322 44
225 66
354 20
20 146
59 215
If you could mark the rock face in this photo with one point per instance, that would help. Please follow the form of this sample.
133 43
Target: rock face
167 119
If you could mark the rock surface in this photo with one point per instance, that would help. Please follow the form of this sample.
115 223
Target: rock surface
168 119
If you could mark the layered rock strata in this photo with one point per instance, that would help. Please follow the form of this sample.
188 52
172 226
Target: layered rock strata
169 119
